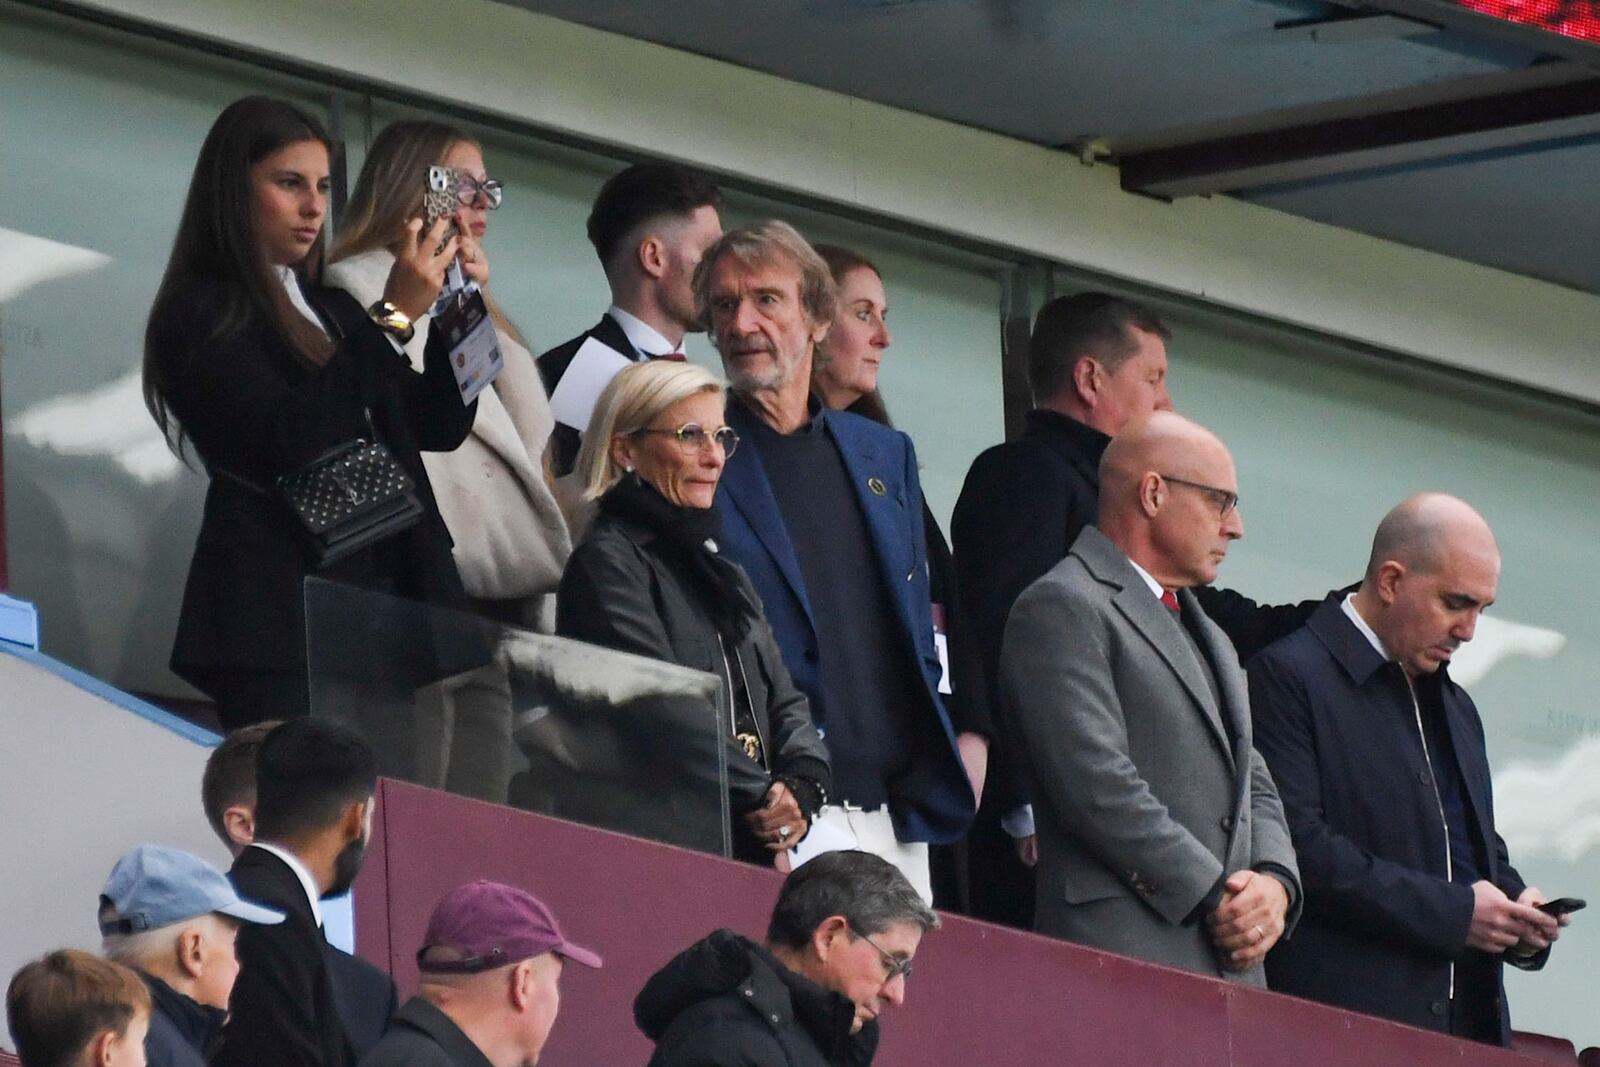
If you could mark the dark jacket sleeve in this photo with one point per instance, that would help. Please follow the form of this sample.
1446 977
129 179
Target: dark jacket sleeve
1345 886
236 402
433 399
797 747
605 599
1010 526
1251 626
272 1020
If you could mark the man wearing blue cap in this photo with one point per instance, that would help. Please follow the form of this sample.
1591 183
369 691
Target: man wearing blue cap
490 964
173 918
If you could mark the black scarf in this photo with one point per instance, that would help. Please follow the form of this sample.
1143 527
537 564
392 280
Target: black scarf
688 537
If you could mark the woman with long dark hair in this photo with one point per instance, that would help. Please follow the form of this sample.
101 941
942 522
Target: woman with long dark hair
259 369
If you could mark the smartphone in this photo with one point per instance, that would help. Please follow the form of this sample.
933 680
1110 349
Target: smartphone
438 201
1562 906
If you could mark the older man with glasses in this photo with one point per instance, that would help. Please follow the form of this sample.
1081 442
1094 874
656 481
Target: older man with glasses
838 954
1161 834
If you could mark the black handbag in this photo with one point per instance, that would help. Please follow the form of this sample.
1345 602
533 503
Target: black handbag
354 495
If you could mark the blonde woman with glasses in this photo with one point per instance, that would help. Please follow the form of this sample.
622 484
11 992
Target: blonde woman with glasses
649 579
511 541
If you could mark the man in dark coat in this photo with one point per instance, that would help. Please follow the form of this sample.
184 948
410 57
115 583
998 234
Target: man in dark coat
1096 363
650 224
364 996
1411 900
173 918
315 781
491 963
838 953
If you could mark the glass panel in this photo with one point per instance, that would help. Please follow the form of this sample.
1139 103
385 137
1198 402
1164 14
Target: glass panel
456 702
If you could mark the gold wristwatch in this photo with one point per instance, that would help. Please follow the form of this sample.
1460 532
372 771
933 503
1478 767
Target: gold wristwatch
392 320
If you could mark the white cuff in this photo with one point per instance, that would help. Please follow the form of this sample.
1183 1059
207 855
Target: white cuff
1019 823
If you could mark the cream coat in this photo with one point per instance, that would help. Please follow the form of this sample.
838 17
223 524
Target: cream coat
511 541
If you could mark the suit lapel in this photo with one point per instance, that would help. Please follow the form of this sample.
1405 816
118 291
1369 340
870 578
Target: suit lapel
1156 623
746 488
1231 683
885 512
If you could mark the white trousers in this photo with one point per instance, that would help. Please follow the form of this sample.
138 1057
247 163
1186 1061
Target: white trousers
873 831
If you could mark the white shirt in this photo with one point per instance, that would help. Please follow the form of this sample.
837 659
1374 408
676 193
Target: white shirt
1349 606
1155 586
308 883
642 336
297 297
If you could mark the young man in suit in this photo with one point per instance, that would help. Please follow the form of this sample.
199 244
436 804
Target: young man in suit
1161 835
315 784
365 996
824 510
650 225
1412 902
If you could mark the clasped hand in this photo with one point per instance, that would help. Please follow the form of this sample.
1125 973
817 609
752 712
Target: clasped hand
1250 918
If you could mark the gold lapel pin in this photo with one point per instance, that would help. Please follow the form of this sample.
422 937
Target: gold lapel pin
877 486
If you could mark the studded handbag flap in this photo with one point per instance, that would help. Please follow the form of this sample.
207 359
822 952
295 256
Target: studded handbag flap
350 497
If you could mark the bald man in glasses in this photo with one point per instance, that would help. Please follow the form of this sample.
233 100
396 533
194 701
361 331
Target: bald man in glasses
1161 835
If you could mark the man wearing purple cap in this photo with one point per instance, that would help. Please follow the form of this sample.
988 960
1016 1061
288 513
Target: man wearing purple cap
490 964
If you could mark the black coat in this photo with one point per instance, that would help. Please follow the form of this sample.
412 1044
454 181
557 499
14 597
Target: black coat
1383 923
727 1002
565 440
284 1011
182 1031
622 590
364 996
424 1036
253 409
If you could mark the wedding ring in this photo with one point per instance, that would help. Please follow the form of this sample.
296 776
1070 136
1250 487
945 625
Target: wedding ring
1260 935
783 833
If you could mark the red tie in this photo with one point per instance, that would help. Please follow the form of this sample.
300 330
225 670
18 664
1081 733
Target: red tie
675 356
1170 599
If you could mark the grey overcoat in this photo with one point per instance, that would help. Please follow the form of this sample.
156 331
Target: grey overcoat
1141 801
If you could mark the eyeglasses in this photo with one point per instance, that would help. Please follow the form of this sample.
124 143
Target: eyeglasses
694 439
1226 499
468 189
894 966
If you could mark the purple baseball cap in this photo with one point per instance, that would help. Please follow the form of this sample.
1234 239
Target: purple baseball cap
491 925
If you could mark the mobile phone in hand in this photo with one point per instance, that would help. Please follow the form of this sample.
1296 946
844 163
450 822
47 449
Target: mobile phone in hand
1562 906
439 201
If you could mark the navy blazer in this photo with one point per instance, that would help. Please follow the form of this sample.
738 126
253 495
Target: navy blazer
1383 923
933 800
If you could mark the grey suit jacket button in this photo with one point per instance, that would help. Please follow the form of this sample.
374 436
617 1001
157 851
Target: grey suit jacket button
1227 823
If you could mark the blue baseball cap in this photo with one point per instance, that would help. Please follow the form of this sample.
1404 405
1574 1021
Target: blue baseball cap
155 886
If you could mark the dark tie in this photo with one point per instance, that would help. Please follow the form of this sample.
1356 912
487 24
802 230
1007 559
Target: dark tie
1170 599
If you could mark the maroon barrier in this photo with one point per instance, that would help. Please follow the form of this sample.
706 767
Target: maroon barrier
982 994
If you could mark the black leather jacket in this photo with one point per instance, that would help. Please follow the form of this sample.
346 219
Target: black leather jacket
621 590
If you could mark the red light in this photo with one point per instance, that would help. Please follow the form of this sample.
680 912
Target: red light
1570 18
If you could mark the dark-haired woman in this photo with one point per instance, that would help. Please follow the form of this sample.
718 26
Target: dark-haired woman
261 370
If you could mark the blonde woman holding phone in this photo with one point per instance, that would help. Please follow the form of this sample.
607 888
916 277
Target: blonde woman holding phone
511 541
